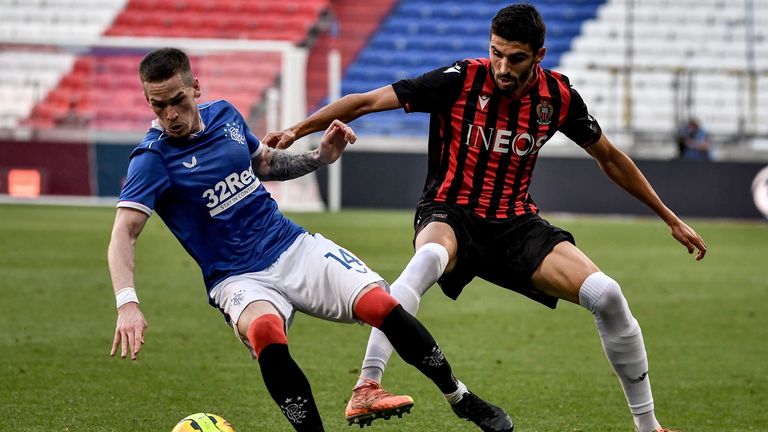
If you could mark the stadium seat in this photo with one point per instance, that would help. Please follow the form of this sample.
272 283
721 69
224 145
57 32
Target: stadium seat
91 85
421 35
668 41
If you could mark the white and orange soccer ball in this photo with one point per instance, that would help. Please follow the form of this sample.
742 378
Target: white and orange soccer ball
203 422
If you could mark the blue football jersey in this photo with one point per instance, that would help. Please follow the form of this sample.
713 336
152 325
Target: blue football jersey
203 187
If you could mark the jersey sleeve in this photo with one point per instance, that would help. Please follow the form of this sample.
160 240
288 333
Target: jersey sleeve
254 144
579 125
147 180
432 91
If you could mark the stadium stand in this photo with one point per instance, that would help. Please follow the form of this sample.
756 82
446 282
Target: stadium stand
420 35
265 19
99 88
355 22
669 60
705 58
674 73
26 76
56 19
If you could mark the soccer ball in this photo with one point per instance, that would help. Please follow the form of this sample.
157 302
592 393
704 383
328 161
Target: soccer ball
203 422
760 191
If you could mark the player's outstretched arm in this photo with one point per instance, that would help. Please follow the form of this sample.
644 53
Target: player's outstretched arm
276 164
345 109
131 325
620 168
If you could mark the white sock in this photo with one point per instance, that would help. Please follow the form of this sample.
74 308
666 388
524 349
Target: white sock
623 345
646 422
423 270
455 397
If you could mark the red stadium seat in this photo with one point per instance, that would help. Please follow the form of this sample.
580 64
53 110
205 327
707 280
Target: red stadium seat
105 90
148 5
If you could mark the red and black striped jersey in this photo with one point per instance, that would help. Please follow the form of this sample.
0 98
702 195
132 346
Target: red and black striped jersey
483 144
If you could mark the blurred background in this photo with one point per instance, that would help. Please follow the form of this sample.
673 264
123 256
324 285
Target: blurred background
680 85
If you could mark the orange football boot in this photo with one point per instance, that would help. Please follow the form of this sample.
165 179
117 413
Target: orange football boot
370 402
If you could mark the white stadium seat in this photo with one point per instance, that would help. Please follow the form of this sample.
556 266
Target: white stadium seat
26 77
670 36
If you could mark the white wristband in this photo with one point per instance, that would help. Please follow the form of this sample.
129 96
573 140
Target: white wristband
126 295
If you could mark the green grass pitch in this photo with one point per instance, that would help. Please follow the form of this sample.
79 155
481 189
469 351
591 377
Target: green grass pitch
705 325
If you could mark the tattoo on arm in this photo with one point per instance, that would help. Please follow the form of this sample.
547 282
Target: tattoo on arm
283 165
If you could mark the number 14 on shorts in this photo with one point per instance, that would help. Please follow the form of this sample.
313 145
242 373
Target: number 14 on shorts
347 259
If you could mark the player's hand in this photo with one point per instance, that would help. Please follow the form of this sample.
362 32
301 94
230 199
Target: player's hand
689 238
334 141
129 332
280 140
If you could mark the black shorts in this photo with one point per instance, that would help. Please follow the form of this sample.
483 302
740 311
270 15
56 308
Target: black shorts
505 252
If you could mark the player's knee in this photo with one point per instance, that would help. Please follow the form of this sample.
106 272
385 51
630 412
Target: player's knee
374 306
266 330
612 298
437 252
600 294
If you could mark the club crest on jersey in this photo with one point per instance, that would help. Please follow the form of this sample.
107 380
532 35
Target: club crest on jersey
232 130
544 112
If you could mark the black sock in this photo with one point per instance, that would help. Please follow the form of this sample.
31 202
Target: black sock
417 347
289 388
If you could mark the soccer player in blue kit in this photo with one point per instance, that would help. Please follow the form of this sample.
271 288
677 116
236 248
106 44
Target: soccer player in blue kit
200 168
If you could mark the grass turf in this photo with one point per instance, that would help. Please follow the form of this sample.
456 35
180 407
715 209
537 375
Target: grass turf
704 323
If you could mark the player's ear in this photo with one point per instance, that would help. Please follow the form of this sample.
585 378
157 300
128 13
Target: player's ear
540 54
196 87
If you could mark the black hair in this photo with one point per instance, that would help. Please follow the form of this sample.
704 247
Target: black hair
164 63
520 23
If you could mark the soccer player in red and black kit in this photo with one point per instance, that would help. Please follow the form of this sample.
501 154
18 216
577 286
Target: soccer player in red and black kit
489 119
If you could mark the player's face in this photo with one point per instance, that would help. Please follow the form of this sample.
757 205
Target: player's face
173 102
512 63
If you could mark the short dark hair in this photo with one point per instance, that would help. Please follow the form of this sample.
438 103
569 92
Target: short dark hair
520 23
164 63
